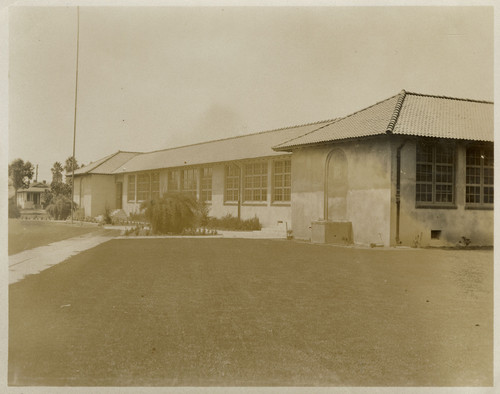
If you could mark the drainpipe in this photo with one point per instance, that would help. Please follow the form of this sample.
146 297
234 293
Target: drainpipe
398 190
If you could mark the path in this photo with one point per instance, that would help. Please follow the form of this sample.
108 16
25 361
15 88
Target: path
38 259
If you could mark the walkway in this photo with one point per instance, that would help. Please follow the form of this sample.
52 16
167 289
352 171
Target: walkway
39 259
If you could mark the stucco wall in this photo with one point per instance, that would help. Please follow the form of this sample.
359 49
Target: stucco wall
83 193
367 193
103 193
416 223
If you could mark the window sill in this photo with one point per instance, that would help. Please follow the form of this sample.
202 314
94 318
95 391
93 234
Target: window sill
255 203
281 204
435 206
479 207
230 202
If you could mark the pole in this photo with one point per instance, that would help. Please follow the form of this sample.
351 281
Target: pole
74 119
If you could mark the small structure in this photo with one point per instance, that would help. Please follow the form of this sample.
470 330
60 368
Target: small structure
30 198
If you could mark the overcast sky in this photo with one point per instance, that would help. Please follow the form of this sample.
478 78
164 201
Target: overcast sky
157 77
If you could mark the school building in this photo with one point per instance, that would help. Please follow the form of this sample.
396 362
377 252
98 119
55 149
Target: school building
413 169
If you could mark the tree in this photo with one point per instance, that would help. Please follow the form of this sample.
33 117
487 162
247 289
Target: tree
171 213
70 164
21 173
57 170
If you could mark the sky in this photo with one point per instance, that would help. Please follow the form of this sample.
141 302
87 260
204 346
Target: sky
157 77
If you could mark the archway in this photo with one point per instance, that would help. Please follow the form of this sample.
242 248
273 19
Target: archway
336 185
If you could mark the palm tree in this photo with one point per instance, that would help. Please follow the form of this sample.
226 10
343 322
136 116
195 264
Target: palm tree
57 170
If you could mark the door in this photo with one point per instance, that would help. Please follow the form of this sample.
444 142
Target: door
119 189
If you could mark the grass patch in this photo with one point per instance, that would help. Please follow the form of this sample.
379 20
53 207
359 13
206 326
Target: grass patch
24 235
220 312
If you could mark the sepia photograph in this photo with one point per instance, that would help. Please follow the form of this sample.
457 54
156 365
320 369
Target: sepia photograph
249 196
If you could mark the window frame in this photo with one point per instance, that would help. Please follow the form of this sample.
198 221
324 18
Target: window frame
232 173
189 181
283 188
206 174
173 177
143 179
255 172
434 147
481 185
131 176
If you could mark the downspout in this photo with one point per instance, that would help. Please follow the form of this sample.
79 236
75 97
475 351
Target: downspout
398 190
389 131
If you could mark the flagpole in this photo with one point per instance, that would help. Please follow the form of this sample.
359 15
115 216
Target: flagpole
74 119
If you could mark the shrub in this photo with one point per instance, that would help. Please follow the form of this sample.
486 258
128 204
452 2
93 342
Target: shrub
171 213
137 217
229 222
60 207
13 209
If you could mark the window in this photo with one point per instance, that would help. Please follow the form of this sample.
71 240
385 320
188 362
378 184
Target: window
173 181
189 181
232 183
143 187
282 180
435 174
479 176
155 185
206 184
131 188
255 181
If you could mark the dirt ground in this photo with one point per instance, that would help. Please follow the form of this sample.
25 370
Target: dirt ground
233 312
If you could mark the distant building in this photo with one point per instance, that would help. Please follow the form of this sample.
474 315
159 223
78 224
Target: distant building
413 169
30 198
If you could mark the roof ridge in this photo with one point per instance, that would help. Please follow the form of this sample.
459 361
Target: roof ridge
239 136
129 151
450 98
104 160
339 119
312 131
397 111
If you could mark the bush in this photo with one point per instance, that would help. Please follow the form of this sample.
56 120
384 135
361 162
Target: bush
229 222
171 213
137 217
13 209
60 208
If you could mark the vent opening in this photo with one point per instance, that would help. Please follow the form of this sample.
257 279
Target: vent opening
435 234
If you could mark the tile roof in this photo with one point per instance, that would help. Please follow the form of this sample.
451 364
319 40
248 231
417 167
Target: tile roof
408 114
107 164
236 148
405 114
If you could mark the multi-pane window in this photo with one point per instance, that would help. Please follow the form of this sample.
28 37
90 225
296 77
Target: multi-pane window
282 180
255 181
435 174
143 187
155 185
206 184
232 183
131 188
189 181
479 176
173 181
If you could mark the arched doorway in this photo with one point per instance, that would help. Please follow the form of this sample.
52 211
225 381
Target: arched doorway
336 184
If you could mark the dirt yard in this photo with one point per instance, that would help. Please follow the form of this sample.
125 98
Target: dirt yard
233 312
